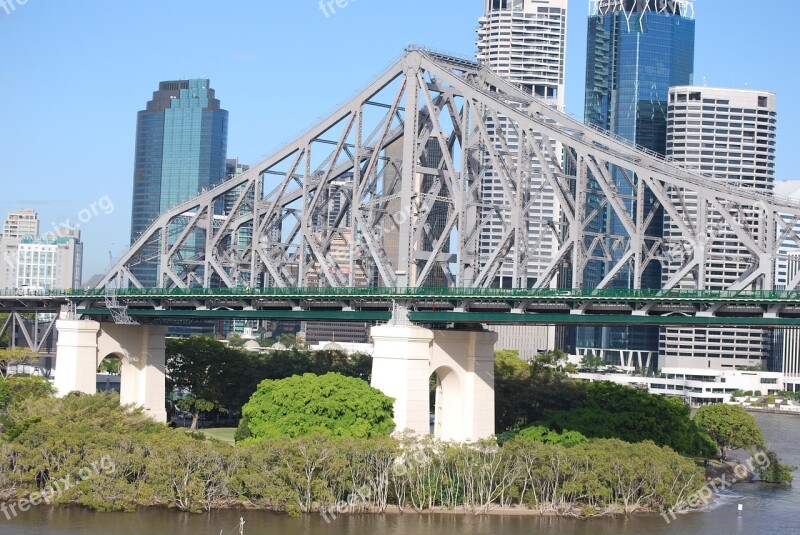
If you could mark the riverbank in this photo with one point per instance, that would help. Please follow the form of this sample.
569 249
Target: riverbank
89 451
766 509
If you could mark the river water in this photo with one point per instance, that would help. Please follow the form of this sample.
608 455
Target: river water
766 511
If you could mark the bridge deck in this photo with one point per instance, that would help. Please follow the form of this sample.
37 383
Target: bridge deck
435 305
768 297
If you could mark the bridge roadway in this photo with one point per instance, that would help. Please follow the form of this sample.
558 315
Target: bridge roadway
431 305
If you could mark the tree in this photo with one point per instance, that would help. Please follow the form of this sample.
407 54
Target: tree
10 358
288 340
16 390
548 436
592 362
550 361
730 427
775 471
236 340
331 404
207 375
3 339
633 415
112 365
512 384
524 390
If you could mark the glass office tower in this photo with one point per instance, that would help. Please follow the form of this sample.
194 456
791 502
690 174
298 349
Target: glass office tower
636 50
181 149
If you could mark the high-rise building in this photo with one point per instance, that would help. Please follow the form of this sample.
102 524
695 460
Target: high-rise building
181 148
636 51
727 135
52 262
524 41
21 224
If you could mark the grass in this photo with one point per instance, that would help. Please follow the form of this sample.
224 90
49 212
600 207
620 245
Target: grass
224 434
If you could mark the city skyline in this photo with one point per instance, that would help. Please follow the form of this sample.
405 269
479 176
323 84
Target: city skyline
95 159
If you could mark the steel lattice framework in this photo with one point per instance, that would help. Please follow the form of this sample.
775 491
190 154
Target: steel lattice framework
361 199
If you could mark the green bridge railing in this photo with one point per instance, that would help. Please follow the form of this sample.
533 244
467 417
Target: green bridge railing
423 293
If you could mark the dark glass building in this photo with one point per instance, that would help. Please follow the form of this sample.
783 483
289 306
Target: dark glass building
636 50
181 148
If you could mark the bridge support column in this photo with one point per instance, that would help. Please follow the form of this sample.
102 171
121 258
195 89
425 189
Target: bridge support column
82 346
76 357
401 369
404 359
464 364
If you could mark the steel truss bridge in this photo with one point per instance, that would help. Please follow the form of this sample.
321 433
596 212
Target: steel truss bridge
387 192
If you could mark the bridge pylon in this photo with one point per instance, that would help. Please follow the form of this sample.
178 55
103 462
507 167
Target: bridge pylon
404 359
82 346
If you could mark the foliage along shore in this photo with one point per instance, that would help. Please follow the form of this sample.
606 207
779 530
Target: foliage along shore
86 450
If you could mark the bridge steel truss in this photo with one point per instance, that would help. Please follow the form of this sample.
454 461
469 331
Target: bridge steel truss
386 191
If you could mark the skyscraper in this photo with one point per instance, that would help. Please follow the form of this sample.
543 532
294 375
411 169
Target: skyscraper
727 135
21 224
524 41
54 261
181 148
636 51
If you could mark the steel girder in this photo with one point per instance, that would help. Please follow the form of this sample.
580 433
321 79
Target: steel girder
386 191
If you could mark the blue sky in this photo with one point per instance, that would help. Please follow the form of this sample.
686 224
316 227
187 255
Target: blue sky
73 74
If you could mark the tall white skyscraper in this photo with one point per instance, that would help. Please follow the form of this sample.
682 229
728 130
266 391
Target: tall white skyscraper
524 41
727 135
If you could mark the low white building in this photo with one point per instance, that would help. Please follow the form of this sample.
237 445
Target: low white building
699 387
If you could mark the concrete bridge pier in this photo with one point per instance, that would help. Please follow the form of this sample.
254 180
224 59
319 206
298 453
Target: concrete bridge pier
83 345
406 356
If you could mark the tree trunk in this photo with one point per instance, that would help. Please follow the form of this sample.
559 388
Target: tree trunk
195 420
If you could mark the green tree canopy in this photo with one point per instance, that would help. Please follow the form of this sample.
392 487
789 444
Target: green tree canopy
14 357
17 389
730 427
548 436
631 414
592 362
208 375
524 390
331 404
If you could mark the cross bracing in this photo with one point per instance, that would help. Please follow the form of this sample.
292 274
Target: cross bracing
386 192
